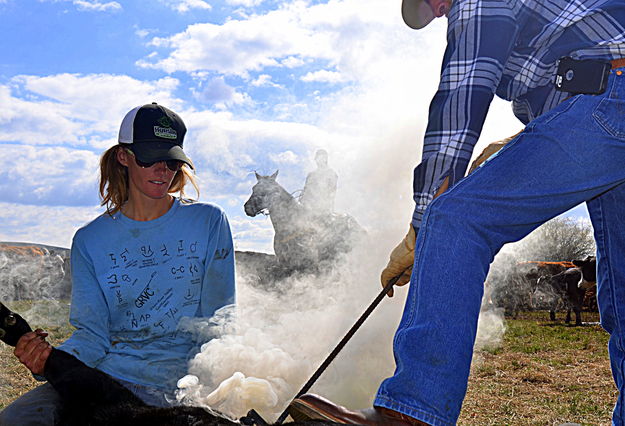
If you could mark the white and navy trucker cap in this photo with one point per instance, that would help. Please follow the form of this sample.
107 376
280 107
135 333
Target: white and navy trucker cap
154 133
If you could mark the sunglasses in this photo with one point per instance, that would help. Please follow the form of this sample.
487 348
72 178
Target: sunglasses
173 165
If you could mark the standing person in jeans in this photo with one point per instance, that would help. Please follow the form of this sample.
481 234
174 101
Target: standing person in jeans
571 151
137 269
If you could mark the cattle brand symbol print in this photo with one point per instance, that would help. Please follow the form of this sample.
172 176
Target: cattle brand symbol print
148 257
181 249
145 294
221 253
178 272
112 280
146 251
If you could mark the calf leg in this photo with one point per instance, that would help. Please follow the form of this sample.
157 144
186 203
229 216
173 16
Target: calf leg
578 316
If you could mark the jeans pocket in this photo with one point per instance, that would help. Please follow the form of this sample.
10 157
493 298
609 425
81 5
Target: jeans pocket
610 116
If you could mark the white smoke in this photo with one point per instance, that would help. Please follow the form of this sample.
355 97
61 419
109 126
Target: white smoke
279 338
34 273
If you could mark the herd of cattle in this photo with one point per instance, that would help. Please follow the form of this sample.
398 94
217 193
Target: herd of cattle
546 286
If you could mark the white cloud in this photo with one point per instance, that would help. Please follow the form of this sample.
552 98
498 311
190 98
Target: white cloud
264 80
218 92
142 33
252 234
184 6
286 157
323 76
75 109
96 6
322 32
53 226
292 62
245 3
227 149
91 5
48 175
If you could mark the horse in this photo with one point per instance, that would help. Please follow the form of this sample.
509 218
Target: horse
304 239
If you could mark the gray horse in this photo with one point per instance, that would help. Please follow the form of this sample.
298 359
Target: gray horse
303 240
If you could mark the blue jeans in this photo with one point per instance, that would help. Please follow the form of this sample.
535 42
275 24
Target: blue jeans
572 154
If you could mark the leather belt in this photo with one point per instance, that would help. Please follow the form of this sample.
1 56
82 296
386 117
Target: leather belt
618 63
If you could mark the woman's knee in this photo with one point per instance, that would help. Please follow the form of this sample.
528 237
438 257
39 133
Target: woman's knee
39 407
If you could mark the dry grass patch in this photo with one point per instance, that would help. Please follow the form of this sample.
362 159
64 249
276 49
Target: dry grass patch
544 374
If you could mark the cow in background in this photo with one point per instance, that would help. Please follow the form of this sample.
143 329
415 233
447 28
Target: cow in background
566 289
511 285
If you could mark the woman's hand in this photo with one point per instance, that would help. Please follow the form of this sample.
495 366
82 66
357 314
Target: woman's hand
33 350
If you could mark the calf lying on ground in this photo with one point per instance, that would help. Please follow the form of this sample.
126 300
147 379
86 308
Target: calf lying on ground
92 398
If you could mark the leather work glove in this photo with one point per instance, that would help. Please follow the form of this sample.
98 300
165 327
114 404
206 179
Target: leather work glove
402 256
400 262
489 151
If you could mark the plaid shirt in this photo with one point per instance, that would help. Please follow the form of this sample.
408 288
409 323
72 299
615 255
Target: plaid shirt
508 48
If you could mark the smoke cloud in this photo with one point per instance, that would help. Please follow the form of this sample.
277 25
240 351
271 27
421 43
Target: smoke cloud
278 337
36 273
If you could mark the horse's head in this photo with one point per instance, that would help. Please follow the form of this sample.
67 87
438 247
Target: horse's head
264 194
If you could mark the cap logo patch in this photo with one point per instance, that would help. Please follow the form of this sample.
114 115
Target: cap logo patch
165 132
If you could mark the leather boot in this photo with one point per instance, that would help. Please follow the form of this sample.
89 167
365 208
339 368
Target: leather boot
315 407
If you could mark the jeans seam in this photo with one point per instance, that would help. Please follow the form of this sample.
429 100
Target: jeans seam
610 278
571 101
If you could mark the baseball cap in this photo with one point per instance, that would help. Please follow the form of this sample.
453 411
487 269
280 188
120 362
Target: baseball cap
416 13
154 133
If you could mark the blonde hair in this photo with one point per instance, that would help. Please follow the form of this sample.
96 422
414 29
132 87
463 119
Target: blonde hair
114 182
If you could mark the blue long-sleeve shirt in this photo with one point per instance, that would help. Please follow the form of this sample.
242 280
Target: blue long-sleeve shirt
507 48
133 281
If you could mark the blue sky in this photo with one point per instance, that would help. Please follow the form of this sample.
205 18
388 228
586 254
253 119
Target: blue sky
261 85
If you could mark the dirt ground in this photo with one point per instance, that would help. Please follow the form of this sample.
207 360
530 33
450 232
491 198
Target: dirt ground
543 374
